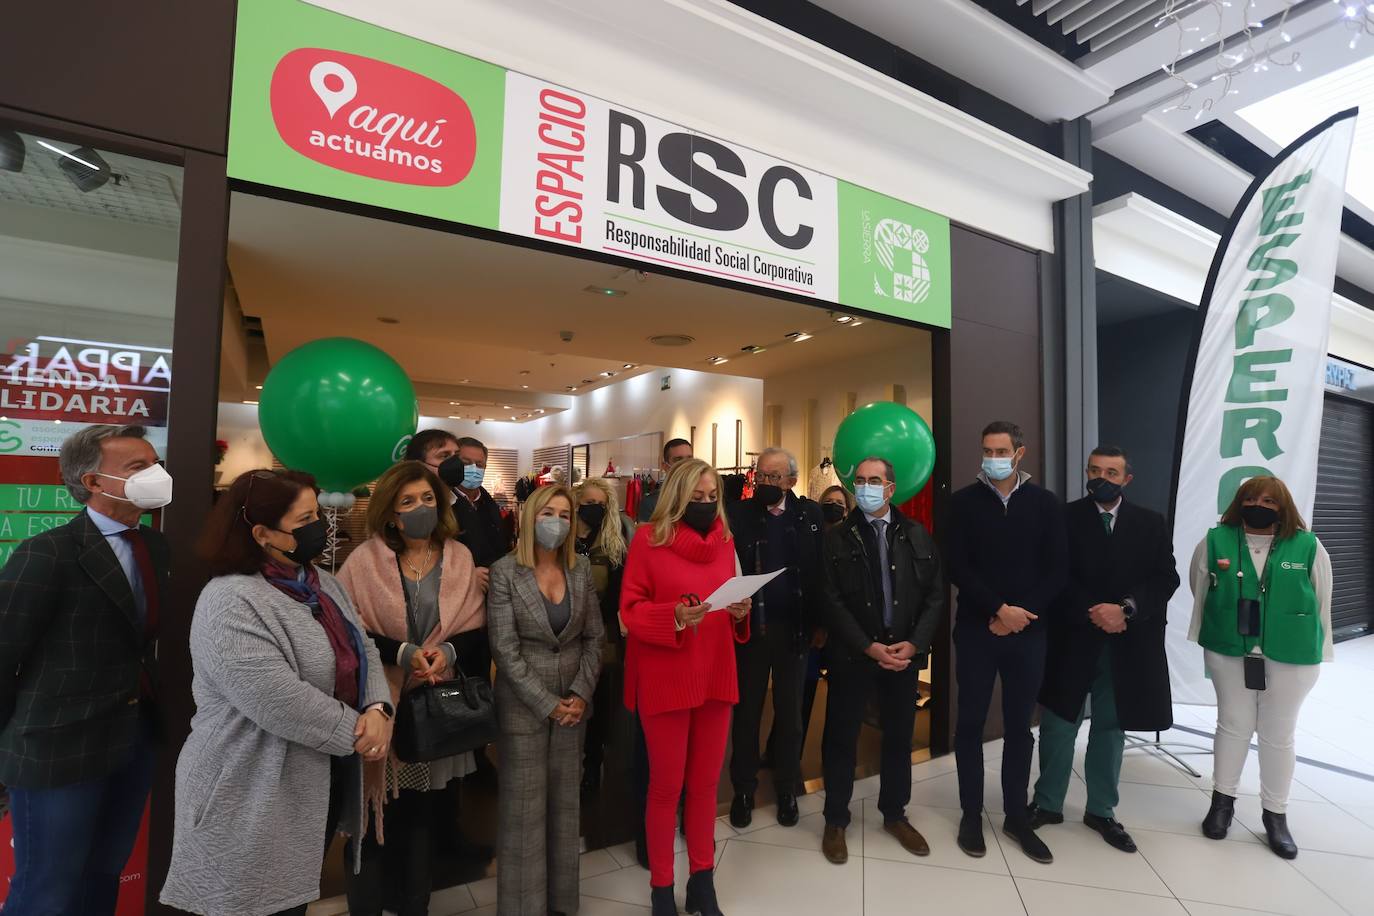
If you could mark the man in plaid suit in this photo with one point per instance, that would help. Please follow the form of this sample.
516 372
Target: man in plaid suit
78 624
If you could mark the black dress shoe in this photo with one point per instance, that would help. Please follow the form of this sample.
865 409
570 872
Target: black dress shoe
1280 840
662 902
1112 831
971 835
788 815
1039 817
742 810
701 894
1019 829
1217 823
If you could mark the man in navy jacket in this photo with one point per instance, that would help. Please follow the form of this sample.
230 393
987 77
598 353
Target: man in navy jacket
1008 557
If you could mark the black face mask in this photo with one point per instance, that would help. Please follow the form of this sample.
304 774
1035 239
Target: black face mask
700 516
451 471
1104 491
834 512
592 514
311 540
767 494
1259 517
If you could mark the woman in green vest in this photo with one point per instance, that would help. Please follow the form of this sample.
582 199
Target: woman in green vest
1262 614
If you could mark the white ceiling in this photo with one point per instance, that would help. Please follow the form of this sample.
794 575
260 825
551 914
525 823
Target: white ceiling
474 316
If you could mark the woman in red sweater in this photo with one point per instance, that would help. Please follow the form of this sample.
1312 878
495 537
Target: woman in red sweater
680 671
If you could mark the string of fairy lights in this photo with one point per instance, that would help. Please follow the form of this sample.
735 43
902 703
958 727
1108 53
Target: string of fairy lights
1259 45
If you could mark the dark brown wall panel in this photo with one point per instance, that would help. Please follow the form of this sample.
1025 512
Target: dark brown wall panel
157 69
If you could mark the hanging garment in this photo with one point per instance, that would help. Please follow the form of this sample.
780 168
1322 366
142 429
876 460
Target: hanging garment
822 478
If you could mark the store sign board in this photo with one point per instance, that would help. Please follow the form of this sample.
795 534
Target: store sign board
338 108
585 172
894 257
1349 379
332 106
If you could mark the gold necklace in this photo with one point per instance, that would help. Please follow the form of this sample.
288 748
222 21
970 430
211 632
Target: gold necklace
416 570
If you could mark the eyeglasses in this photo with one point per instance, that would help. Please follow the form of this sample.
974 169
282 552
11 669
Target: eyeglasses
773 479
871 481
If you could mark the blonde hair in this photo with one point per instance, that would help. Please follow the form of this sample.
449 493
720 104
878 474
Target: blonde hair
611 537
677 493
539 499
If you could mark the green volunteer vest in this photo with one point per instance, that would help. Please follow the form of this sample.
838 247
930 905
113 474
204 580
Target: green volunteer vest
1290 619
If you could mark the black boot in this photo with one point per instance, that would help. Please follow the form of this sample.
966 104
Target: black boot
701 894
661 899
1217 823
1280 840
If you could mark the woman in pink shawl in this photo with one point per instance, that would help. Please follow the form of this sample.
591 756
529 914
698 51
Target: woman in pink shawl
415 589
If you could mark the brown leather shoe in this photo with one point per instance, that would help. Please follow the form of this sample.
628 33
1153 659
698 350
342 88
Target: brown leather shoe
909 837
834 846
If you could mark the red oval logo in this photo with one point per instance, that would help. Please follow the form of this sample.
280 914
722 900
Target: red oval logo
372 118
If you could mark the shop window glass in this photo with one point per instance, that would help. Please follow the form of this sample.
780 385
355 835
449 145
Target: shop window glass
88 263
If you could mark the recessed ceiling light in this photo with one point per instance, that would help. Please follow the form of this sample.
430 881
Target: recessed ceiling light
524 372
603 291
571 388
855 323
246 402
605 375
628 366
844 319
717 360
258 387
798 336
455 403
752 349
671 340
505 407
454 417
464 380
524 386
589 381
540 410
389 320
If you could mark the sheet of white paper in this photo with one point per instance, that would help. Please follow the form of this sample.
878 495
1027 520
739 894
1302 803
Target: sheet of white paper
737 589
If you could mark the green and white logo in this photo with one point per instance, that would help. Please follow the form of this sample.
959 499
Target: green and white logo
894 257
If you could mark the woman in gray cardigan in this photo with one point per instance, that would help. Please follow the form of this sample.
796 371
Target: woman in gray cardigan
544 622
289 696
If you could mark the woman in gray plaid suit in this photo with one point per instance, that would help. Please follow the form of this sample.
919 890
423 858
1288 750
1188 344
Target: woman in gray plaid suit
546 634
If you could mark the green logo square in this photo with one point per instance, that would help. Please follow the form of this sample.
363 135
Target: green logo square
894 257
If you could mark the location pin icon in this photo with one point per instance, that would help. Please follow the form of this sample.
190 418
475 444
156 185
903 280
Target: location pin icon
333 99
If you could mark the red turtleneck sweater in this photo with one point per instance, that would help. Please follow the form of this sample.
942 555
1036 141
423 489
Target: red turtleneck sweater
668 669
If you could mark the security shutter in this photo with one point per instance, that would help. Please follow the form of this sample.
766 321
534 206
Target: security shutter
1345 505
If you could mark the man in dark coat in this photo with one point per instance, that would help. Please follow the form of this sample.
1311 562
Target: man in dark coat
1106 640
776 529
78 628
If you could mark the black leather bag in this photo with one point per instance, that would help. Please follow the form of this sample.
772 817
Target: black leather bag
440 720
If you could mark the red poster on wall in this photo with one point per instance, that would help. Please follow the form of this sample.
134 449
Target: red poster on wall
133 883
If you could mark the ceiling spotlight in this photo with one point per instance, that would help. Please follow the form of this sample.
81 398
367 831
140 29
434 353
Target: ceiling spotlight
540 410
843 319
603 291
717 360
258 387
505 407
524 372
11 151
798 336
455 403
570 388
605 375
524 386
84 166
454 417
589 381
752 349
246 402
464 381
855 323
628 366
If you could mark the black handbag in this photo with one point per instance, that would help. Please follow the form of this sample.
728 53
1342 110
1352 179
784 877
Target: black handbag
434 721
440 720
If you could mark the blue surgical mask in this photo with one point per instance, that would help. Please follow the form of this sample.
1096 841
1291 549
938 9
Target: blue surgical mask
472 476
997 468
870 497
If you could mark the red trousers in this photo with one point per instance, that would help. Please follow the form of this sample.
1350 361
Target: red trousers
686 748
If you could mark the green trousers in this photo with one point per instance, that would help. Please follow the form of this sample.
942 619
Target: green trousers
1106 741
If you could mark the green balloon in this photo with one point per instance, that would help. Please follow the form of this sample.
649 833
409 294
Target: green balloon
888 430
340 409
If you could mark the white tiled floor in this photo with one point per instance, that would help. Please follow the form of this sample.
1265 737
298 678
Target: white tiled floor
770 870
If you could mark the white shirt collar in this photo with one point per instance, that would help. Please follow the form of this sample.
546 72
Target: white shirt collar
106 525
1021 477
1114 511
885 517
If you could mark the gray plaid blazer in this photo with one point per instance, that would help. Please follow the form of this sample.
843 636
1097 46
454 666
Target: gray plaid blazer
71 653
534 668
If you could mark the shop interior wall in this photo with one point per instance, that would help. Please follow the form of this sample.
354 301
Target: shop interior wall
160 71
639 405
869 378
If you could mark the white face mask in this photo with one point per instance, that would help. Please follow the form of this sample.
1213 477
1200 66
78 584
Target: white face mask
150 488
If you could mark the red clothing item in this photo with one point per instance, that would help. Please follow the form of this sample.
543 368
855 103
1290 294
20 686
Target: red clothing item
686 748
667 669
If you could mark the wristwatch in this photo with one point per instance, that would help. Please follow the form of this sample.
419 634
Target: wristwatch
383 708
1128 608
